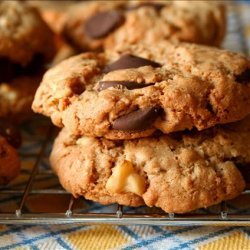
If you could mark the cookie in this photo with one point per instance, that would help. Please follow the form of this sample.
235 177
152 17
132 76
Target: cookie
113 24
178 172
134 92
27 45
10 139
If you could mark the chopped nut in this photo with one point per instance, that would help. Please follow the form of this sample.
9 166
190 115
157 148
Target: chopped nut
85 141
125 179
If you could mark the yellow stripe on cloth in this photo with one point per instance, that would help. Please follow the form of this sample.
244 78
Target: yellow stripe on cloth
99 237
234 241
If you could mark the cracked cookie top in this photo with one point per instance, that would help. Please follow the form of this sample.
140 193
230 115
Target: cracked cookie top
134 92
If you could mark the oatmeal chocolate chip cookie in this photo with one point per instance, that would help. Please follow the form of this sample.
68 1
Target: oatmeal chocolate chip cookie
178 172
134 92
24 35
111 24
9 161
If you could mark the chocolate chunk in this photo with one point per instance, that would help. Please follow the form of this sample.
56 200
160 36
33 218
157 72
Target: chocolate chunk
129 85
10 133
101 24
138 120
156 6
129 61
244 77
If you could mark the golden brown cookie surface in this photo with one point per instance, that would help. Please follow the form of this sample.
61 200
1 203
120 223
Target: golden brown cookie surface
177 173
112 24
134 92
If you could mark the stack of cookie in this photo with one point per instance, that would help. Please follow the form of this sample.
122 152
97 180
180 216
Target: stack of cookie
162 124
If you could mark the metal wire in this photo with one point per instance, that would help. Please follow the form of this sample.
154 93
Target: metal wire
222 217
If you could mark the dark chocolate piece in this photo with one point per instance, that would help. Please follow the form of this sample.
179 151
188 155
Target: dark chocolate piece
138 120
129 61
101 24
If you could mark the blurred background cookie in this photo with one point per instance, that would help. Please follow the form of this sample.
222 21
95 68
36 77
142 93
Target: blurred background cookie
109 24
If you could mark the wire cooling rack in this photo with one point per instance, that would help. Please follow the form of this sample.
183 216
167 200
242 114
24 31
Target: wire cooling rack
46 211
36 197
